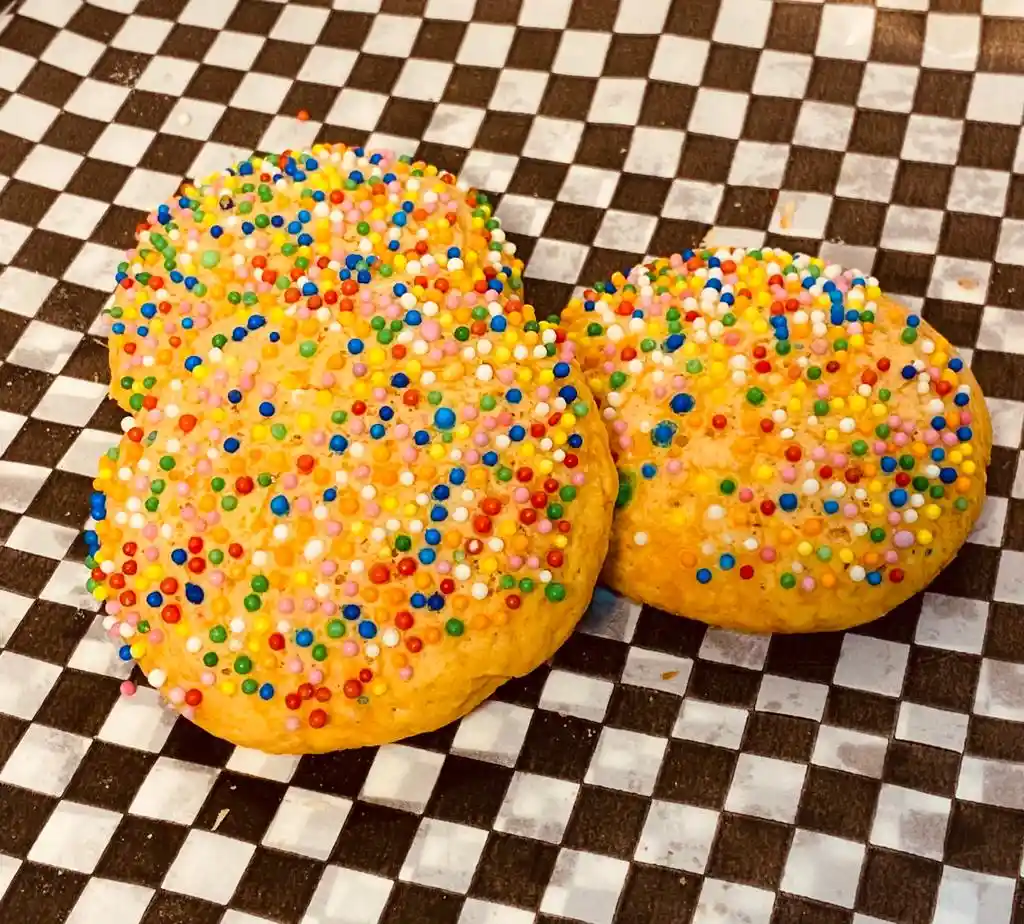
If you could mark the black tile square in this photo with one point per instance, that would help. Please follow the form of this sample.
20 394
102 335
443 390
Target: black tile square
277 885
250 804
469 792
141 851
41 893
375 839
109 776
695 773
607 822
558 745
514 870
79 702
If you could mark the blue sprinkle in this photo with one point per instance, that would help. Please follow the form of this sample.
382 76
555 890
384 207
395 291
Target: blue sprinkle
266 691
682 403
279 505
788 502
194 593
304 638
444 418
351 611
703 575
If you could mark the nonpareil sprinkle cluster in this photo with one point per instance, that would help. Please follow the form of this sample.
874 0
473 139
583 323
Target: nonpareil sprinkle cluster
350 456
817 435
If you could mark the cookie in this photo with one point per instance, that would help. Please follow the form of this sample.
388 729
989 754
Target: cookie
335 525
796 451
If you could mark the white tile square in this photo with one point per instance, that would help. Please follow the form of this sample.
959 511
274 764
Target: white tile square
95 654
584 887
288 132
959 280
73 52
677 836
487 170
457 125
625 231
889 87
261 92
938 728
743 22
22 292
110 902
328 66
45 758
393 36
735 648
952 623
786 696
617 101
1007 416
278 767
732 903
992 782
8 869
591 186
24 683
205 14
307 823
952 42
537 807
823 868
518 91
193 118
122 144
966 897
12 236
402 777
485 45
576 694
557 261
582 53
710 723
978 191
494 733
83 456
997 98
693 200
989 528
239 50
48 166
26 118
626 760
656 670
932 139
144 187
1000 685
766 788
1010 248
641 17
19 482
544 14
680 59
553 139
73 215
457 10
524 214
782 73
718 112
872 664
443 855
915 230
74 837
610 615
911 821
655 151
40 537
846 32
758 163
143 721
423 80
851 751
300 24
14 67
823 125
173 791
346 896
801 214
209 866
44 347
144 34
94 266
476 911
864 176
13 608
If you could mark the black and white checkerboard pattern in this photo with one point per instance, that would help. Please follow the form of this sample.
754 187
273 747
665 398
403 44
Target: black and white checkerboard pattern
655 773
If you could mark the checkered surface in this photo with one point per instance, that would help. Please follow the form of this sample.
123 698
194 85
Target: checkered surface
655 772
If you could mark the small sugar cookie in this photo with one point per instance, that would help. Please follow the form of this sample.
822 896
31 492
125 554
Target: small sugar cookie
796 451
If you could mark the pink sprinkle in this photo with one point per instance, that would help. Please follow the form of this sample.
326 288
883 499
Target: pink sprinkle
768 554
294 666
349 649
292 723
127 688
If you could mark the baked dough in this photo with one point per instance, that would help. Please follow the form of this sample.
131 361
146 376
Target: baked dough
189 270
334 528
796 451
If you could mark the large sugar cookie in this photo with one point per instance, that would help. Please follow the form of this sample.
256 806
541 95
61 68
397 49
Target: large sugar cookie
333 528
383 219
796 451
